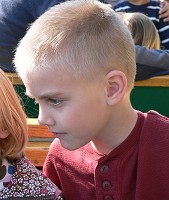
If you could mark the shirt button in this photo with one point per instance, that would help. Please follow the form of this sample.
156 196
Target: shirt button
104 169
106 185
108 197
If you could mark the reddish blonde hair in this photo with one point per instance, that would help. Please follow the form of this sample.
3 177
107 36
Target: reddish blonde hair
12 120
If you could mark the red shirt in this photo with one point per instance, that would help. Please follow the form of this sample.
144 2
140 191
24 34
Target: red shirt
138 169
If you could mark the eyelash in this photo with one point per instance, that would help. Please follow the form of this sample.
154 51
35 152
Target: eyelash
55 102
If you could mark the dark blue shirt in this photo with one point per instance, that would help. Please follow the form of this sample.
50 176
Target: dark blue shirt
15 18
151 9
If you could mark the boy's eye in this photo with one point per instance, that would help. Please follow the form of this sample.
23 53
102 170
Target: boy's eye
55 102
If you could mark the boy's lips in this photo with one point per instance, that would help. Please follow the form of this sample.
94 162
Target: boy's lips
59 135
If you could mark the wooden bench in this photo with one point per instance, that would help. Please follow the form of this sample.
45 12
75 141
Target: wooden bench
152 94
39 142
15 79
158 81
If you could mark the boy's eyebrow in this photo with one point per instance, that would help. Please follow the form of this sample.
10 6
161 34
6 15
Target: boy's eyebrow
50 94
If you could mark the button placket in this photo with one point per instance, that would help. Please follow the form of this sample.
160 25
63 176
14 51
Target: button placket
106 185
104 169
108 197
107 178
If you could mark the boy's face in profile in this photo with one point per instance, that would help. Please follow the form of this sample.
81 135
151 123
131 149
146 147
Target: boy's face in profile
74 110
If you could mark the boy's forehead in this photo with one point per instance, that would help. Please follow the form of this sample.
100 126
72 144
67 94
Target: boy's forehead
43 95
48 83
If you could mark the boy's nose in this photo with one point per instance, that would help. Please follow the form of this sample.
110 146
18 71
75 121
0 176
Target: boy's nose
45 119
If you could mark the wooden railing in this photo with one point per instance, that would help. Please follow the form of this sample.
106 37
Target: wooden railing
39 142
158 81
15 79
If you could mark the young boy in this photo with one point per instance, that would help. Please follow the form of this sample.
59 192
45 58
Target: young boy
78 62
151 9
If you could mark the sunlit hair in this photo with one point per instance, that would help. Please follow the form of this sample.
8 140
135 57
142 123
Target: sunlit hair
142 29
83 37
12 120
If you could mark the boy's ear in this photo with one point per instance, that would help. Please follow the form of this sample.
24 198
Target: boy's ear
116 86
4 134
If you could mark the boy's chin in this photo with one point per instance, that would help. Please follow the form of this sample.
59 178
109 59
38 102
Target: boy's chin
70 146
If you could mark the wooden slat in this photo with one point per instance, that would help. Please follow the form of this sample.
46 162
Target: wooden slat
15 79
39 142
158 81
37 152
38 131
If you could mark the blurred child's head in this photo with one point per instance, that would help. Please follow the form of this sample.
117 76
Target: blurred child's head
13 126
142 29
85 38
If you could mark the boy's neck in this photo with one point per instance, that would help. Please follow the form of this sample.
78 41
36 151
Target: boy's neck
118 131
139 2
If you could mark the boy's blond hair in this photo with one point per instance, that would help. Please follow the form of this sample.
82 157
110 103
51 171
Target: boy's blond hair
12 120
142 29
83 37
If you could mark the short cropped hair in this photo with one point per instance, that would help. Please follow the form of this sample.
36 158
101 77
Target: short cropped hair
83 37
142 29
12 120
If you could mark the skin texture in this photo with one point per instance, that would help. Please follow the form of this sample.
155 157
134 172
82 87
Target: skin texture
78 112
164 12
